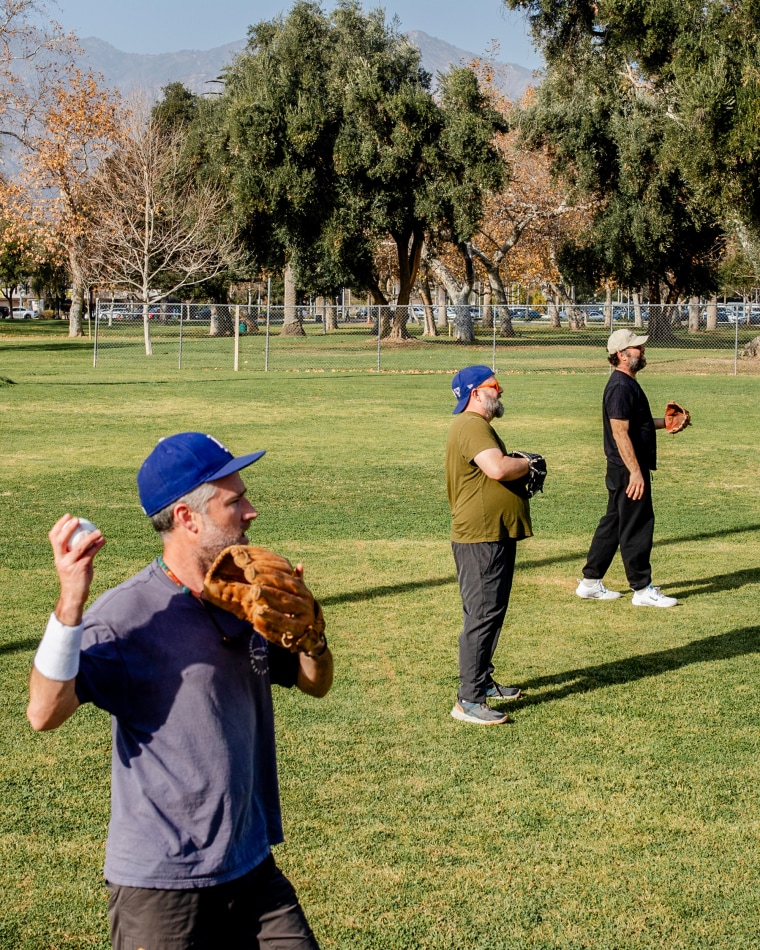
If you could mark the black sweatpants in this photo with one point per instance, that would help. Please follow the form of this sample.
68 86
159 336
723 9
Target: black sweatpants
628 525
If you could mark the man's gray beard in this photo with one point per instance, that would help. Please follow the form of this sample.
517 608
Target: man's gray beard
215 540
494 406
635 363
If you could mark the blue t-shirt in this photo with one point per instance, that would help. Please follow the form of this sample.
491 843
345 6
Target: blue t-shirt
194 794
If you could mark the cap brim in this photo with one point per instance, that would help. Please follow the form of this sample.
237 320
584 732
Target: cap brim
236 464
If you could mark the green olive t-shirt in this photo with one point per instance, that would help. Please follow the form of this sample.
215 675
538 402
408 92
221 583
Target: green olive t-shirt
482 509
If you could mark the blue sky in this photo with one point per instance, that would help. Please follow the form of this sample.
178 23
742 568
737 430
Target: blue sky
163 26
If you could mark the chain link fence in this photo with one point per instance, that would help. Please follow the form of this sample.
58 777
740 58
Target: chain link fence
414 338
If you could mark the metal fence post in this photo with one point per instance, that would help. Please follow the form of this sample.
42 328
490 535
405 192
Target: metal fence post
493 345
379 330
95 344
736 345
181 315
266 341
236 361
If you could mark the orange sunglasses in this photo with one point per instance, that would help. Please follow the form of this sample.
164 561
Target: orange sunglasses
493 385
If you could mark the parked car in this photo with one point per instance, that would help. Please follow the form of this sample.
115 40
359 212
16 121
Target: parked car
474 312
592 315
167 311
23 313
738 314
120 311
622 312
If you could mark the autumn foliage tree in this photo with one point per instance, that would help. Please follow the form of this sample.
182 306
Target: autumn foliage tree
79 127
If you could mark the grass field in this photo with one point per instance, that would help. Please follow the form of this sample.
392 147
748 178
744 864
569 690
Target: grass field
618 810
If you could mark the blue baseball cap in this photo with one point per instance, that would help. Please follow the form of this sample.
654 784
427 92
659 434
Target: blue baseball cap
180 463
465 381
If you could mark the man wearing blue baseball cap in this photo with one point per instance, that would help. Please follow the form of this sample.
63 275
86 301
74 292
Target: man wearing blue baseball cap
195 805
490 513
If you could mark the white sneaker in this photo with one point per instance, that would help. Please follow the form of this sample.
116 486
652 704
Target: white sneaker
595 591
651 597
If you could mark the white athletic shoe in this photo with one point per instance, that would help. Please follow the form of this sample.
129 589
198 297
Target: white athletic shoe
595 591
651 597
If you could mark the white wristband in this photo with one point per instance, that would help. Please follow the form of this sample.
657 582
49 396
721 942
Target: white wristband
57 656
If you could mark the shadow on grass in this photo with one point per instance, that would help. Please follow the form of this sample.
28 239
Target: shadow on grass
719 582
709 585
724 646
701 536
20 646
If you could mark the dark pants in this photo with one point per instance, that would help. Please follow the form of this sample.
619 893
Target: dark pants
628 525
259 910
485 572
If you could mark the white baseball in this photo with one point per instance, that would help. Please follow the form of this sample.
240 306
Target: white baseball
84 527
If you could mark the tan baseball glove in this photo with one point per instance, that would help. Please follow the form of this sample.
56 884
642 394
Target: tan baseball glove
676 417
260 586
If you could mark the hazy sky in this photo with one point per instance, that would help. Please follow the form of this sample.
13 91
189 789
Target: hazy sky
163 26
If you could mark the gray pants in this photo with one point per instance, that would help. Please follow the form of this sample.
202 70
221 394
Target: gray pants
485 572
257 911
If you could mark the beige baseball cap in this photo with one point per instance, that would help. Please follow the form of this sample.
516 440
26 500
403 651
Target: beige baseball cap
620 339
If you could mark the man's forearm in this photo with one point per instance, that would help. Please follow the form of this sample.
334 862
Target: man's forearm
315 673
50 702
627 454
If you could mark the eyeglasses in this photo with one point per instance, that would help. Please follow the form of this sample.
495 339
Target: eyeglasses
492 385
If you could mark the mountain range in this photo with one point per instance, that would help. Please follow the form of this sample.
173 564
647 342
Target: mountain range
199 70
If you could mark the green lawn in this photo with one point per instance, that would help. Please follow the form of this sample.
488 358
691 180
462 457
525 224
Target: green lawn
618 810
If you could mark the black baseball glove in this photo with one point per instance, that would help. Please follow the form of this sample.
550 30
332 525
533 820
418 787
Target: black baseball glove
536 474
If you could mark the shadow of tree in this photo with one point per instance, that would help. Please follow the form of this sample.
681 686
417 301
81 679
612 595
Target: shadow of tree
720 582
724 646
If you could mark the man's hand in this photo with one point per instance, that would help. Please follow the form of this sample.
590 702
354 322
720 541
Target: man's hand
74 568
636 486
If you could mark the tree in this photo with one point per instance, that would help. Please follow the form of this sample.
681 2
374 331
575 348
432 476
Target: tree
334 143
33 50
156 223
654 110
79 127
14 259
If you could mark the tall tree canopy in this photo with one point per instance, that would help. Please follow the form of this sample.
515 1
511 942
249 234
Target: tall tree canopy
334 142
653 106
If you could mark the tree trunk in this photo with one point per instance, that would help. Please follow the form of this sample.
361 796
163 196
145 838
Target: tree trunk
608 308
77 291
487 316
146 330
658 326
464 330
712 313
498 300
638 317
430 328
409 251
693 314
292 325
441 319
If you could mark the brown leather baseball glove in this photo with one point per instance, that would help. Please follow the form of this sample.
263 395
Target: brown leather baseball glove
676 417
260 586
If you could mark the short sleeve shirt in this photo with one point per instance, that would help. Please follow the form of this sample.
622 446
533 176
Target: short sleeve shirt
625 399
194 794
482 509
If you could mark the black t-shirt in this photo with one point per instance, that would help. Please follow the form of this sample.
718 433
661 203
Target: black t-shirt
625 399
